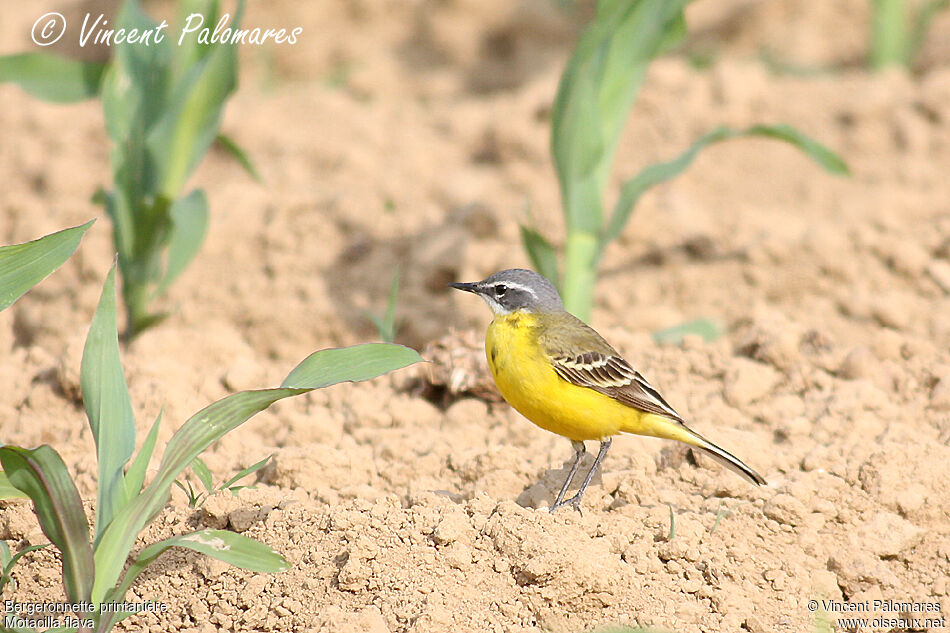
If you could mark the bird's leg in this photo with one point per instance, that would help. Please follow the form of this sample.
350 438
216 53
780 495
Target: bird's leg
579 450
576 499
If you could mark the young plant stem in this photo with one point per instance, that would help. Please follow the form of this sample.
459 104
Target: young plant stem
581 259
888 33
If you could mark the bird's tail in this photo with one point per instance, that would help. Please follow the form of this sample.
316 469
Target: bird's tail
728 460
658 426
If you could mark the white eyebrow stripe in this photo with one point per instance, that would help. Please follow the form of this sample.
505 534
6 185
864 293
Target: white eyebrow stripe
511 284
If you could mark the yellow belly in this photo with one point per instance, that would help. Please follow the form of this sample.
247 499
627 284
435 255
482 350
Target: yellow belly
529 383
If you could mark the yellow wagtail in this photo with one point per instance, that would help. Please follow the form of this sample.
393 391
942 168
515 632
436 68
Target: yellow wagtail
562 375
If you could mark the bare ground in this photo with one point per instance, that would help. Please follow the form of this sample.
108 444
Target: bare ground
412 135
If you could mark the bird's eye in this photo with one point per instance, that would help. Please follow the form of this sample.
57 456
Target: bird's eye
500 290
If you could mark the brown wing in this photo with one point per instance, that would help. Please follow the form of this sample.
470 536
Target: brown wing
602 369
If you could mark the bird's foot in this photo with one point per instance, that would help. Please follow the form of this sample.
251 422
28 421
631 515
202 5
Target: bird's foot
574 501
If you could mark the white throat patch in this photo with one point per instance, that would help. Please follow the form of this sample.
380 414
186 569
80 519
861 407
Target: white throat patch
496 307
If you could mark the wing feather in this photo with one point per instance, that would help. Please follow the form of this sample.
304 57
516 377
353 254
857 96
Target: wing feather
602 369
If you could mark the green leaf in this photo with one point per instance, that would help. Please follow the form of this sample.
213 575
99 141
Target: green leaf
134 96
137 83
230 547
250 470
189 492
8 562
581 257
542 253
42 475
204 474
8 490
350 364
318 370
189 227
386 326
827 159
921 24
190 122
135 475
889 35
594 97
108 406
661 172
593 101
237 153
674 35
706 328
22 266
196 435
187 50
53 78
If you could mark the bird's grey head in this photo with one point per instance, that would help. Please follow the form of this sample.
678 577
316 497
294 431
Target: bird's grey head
515 289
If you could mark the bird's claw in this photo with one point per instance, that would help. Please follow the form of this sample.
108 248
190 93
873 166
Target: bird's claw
574 502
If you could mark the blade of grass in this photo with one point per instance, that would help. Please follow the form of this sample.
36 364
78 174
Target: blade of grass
228 144
108 406
189 492
720 514
250 470
135 475
386 325
22 266
8 562
204 474
41 474
52 78
320 369
706 328
389 320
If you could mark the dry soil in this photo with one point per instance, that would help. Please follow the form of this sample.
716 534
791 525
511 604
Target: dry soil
413 135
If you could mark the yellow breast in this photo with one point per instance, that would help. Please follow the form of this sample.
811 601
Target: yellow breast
528 382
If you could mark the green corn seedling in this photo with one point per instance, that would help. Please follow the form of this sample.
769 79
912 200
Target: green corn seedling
8 561
162 104
386 323
94 566
197 498
896 35
594 97
22 266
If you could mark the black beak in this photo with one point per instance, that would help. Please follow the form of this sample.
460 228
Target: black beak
463 286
